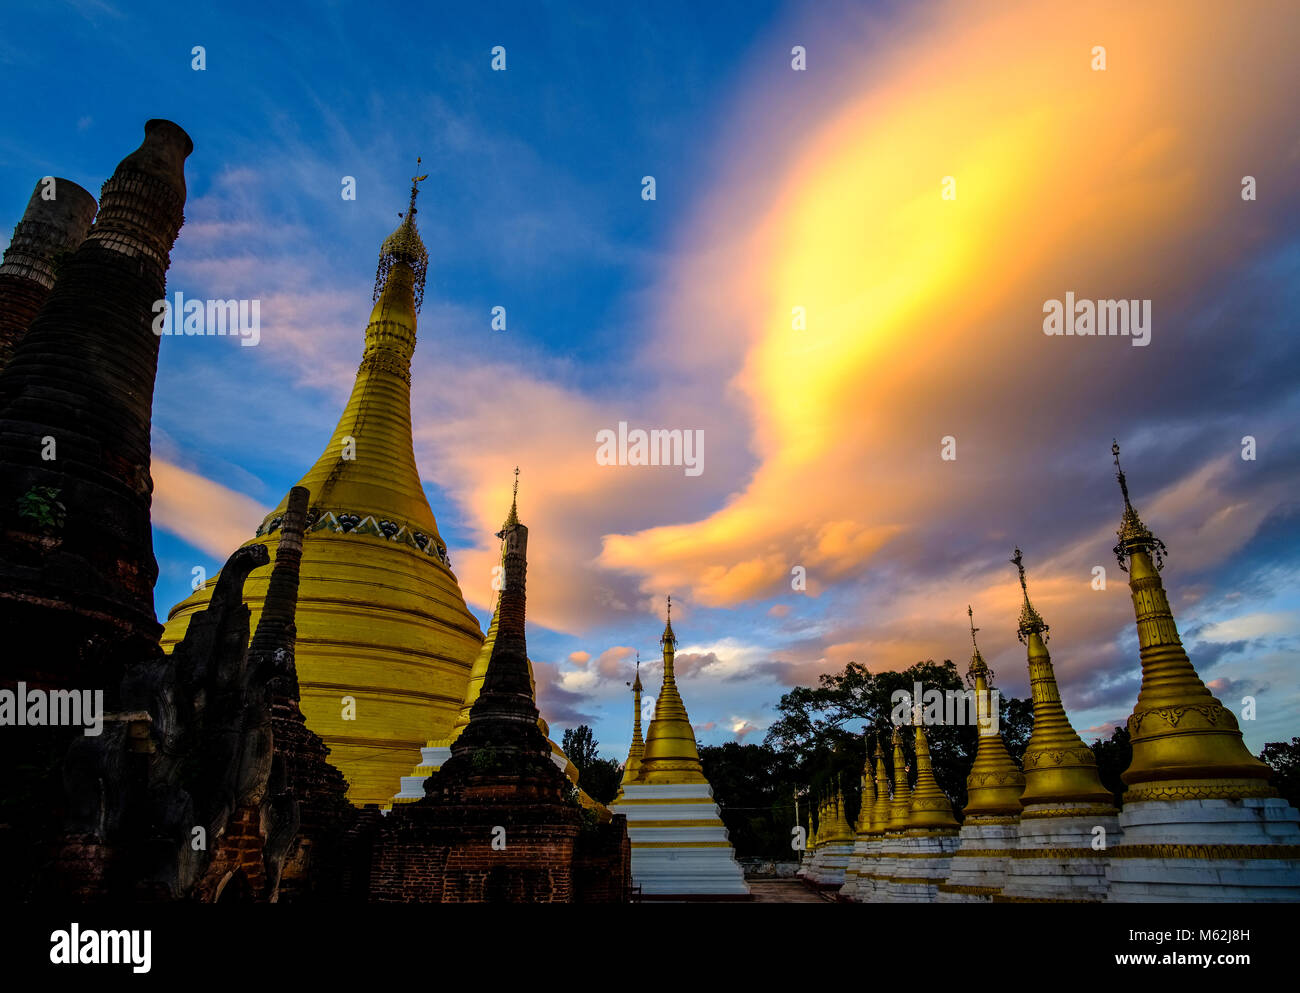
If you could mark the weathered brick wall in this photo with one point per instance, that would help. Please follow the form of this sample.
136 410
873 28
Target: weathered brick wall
602 865
239 849
442 852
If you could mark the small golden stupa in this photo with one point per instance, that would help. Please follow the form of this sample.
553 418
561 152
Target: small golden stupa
1058 766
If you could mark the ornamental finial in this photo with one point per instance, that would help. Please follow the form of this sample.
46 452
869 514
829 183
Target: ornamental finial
978 667
404 246
1030 620
1134 536
415 188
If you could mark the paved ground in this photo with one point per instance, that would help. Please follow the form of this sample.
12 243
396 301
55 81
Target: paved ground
785 891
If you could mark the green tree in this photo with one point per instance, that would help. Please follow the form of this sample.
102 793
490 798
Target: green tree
1284 759
597 776
754 787
1113 757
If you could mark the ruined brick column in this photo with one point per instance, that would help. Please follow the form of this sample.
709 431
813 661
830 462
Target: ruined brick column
55 222
76 397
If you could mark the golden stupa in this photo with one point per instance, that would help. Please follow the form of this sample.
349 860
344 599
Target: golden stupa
381 621
931 810
1058 766
900 806
881 809
840 829
1186 744
863 823
994 785
670 755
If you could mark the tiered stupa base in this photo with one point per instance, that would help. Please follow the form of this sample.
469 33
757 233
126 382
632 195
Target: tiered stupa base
921 865
1207 851
806 858
979 866
874 885
680 847
861 864
1055 861
834 864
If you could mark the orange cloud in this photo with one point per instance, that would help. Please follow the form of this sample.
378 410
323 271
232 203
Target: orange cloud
205 514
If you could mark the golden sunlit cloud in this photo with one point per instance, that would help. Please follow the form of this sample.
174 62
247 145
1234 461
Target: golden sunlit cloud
875 317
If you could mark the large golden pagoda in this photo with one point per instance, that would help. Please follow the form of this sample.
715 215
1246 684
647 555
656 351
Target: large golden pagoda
1186 744
670 755
382 624
1059 767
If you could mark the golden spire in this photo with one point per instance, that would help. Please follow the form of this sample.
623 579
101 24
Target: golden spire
901 805
880 809
863 824
632 767
1186 744
931 807
994 785
1059 767
368 468
670 754
840 830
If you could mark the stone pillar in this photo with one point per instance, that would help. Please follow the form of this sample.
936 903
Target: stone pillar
76 397
55 222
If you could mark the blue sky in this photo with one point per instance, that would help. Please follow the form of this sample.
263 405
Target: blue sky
623 309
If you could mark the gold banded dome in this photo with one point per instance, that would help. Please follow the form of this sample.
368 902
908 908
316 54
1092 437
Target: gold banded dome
381 618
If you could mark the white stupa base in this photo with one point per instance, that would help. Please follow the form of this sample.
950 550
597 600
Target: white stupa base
921 866
805 863
874 885
834 864
973 875
1207 851
815 864
1055 859
861 863
680 847
431 760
